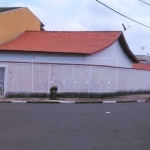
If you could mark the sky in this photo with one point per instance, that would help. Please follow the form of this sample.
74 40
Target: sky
89 15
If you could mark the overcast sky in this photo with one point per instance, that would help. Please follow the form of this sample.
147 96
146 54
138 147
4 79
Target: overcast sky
89 15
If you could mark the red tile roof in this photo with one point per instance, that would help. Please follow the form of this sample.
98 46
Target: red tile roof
141 66
84 42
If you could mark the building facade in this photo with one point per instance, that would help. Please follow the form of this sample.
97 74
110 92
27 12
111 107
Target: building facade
74 61
33 60
16 20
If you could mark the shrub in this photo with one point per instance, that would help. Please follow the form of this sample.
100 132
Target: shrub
53 92
54 88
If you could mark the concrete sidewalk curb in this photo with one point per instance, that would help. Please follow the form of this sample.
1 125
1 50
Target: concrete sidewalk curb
73 102
114 102
106 102
18 101
42 102
67 102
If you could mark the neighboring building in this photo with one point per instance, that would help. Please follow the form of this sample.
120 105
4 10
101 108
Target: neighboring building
15 20
141 66
145 59
144 62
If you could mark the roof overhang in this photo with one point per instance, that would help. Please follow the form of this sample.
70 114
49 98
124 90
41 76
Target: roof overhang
17 45
126 49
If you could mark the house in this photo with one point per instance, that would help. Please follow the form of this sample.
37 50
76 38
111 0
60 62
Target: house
38 54
107 48
15 20
141 66
32 60
142 58
144 62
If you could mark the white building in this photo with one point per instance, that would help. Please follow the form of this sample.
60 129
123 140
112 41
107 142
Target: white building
31 62
96 48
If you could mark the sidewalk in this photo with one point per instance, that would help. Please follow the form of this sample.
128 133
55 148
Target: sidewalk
117 99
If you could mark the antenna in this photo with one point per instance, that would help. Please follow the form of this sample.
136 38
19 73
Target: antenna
142 48
124 27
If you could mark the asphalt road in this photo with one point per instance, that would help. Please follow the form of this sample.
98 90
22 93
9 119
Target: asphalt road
75 126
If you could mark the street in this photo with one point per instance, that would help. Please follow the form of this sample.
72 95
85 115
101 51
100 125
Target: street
75 126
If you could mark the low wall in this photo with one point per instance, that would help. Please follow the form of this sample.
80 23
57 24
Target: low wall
72 94
39 78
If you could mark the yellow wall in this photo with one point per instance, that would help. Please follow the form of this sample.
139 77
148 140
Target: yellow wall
15 22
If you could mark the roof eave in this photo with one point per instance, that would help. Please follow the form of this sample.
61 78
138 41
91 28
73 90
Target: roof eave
126 49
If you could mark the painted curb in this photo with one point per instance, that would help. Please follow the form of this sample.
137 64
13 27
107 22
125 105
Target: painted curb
141 101
18 101
42 102
88 102
108 102
67 102
73 102
5 101
126 101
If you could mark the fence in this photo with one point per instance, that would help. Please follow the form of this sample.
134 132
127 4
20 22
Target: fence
38 78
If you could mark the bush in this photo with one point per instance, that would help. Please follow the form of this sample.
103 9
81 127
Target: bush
53 88
53 93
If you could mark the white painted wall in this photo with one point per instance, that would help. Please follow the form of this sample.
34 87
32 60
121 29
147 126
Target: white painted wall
111 56
74 78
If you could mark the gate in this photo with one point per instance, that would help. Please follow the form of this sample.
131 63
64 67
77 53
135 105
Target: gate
2 79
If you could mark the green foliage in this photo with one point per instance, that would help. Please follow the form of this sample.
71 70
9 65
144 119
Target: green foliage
53 88
53 92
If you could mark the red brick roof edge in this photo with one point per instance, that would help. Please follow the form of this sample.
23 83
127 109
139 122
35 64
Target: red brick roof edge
141 66
75 42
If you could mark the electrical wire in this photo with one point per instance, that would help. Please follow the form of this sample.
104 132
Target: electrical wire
134 11
123 14
144 2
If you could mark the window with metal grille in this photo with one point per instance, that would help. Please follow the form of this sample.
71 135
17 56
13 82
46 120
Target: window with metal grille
2 77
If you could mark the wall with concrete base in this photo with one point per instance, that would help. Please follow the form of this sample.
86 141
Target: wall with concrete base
39 78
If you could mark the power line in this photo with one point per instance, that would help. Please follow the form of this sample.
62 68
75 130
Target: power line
134 11
144 2
123 15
